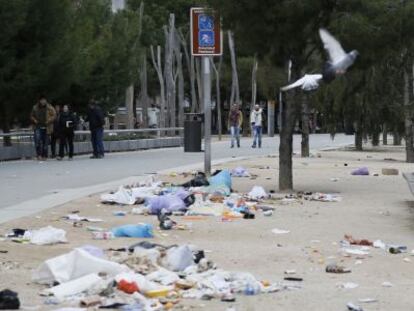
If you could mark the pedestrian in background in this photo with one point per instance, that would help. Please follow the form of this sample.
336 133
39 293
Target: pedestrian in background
235 123
42 116
67 124
256 120
54 137
96 119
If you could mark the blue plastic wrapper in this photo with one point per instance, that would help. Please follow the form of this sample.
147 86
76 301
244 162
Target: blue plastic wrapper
222 178
133 231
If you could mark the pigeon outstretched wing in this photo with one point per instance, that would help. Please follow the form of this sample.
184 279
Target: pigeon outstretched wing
332 46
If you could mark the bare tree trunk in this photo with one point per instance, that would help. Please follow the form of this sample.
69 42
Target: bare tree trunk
129 103
156 61
191 71
168 71
305 127
376 138
385 134
5 124
271 118
217 70
143 96
408 121
396 138
358 136
144 91
254 81
179 60
235 91
286 145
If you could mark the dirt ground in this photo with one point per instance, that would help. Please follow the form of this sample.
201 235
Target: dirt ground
372 207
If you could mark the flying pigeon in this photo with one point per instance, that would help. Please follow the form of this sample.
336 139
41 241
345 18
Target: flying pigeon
307 83
339 60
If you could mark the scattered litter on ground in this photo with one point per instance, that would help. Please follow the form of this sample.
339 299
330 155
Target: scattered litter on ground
397 249
119 213
9 300
73 265
362 171
367 300
45 236
362 251
152 274
280 231
122 196
334 268
290 271
293 279
379 244
387 284
76 217
325 197
353 307
267 213
353 241
257 193
133 231
390 171
348 285
240 172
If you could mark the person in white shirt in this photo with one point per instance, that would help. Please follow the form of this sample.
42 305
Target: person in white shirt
256 122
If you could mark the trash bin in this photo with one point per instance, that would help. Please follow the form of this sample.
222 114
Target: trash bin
192 132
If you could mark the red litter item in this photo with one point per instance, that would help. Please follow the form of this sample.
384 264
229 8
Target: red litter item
352 241
127 287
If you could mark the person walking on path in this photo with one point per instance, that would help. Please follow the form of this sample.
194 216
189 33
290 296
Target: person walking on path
54 137
67 124
96 120
42 117
256 122
235 123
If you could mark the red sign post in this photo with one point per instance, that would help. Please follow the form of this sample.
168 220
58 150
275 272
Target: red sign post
206 36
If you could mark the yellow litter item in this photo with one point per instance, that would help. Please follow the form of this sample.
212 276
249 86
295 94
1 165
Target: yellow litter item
157 293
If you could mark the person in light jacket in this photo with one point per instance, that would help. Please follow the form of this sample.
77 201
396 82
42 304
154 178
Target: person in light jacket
256 123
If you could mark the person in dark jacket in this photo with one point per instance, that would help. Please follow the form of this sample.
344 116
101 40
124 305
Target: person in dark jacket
54 137
66 126
96 119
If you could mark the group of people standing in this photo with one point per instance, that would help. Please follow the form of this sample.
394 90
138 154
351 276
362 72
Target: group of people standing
58 124
236 122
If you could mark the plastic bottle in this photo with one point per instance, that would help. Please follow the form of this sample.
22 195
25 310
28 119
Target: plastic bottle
251 289
397 249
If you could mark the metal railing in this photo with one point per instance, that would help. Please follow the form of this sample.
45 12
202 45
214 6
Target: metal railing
22 141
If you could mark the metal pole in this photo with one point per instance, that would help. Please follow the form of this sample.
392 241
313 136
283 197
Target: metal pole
280 116
207 114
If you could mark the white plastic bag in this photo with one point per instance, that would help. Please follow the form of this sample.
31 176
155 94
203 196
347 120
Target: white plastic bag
77 286
74 265
163 276
46 235
122 196
257 193
179 258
